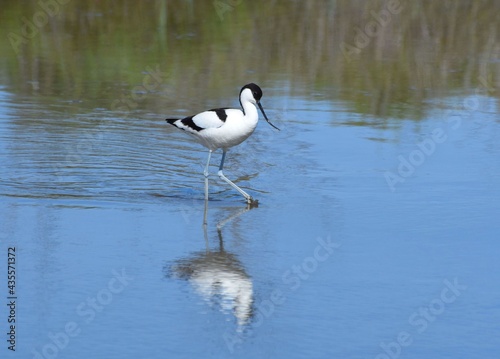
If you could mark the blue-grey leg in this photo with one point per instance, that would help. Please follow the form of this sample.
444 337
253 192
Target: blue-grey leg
205 213
221 175
205 172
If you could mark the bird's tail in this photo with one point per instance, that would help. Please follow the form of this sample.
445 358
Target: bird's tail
171 120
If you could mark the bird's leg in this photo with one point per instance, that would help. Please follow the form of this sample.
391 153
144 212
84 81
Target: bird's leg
205 172
205 213
221 175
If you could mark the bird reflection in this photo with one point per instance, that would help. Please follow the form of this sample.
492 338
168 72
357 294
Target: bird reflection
218 276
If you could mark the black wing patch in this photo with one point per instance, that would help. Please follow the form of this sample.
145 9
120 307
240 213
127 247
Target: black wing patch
188 121
221 113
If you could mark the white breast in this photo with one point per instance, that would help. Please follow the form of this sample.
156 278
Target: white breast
236 129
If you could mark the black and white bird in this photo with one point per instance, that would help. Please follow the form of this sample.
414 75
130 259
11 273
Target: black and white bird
225 128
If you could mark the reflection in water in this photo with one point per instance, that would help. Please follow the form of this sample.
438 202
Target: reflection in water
218 275
88 57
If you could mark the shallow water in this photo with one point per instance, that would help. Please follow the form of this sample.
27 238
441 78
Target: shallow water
376 234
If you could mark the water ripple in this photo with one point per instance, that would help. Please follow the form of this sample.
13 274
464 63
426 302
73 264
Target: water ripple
99 156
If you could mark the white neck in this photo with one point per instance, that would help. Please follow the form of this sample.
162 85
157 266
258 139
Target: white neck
250 110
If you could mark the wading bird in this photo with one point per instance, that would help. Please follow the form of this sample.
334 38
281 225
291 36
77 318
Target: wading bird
225 128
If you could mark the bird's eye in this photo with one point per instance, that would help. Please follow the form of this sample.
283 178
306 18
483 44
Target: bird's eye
255 94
